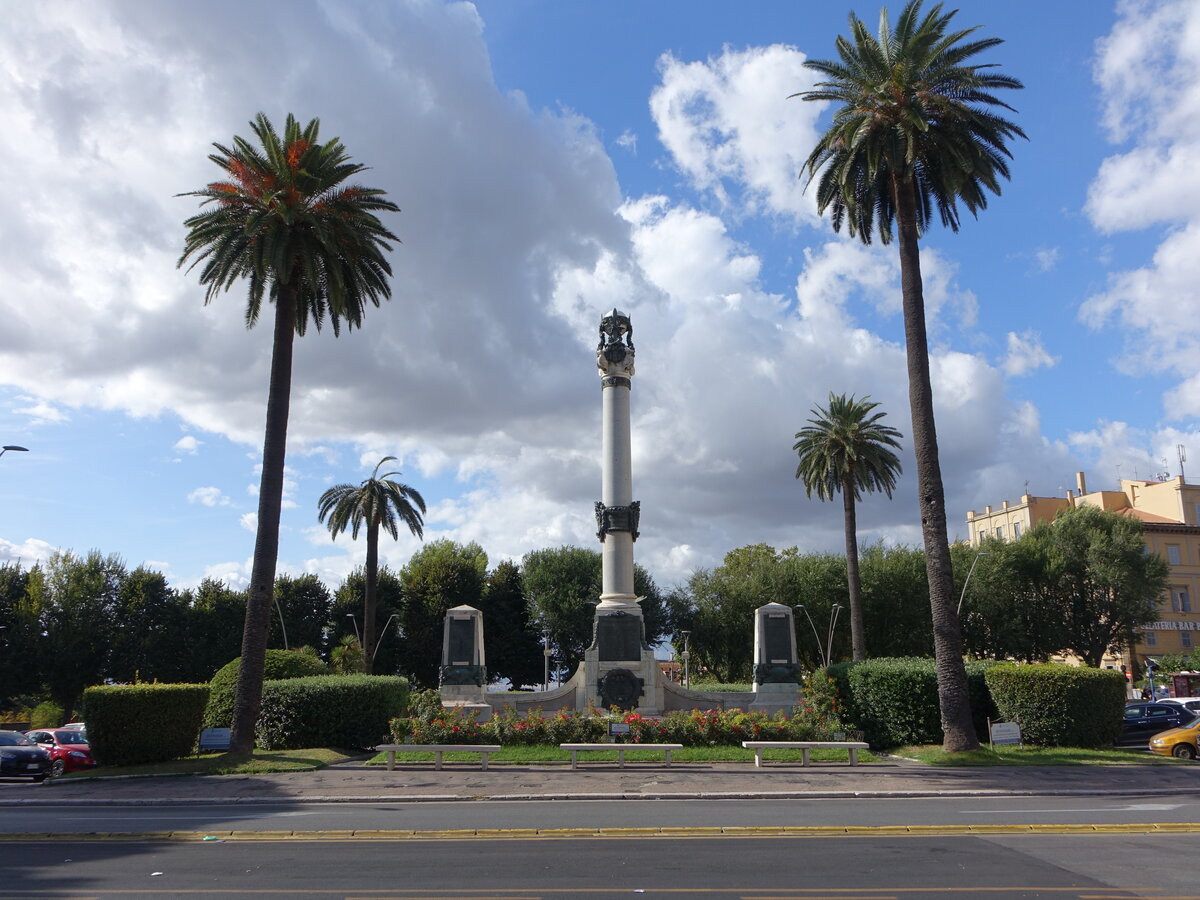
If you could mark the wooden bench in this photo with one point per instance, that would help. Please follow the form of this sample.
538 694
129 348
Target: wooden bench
804 747
437 750
620 748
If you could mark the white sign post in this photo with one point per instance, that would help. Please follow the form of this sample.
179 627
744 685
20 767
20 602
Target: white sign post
1004 732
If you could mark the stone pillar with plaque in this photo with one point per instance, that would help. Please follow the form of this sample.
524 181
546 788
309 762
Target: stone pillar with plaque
620 670
776 665
462 677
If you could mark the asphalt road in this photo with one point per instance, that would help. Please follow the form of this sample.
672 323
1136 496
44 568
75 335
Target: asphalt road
998 867
597 814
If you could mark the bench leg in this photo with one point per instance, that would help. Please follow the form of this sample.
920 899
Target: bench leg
391 760
758 757
805 758
484 754
854 756
437 759
667 753
621 759
574 759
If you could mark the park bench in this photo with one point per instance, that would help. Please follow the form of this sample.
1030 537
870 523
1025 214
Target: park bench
437 750
804 747
576 749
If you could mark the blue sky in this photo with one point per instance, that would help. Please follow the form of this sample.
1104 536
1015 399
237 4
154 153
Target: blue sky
553 160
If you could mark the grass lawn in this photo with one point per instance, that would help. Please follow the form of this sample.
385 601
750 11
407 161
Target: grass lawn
550 753
261 762
1012 755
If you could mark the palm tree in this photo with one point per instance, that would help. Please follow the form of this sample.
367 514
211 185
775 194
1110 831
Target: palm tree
916 128
286 221
378 501
846 450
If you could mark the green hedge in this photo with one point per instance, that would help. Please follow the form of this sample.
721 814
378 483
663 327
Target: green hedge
895 701
130 724
329 711
1058 705
279 664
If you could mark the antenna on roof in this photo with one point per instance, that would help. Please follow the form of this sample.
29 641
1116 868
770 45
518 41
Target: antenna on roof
1182 451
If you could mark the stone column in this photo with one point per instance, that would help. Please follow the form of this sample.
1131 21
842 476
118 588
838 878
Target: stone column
617 513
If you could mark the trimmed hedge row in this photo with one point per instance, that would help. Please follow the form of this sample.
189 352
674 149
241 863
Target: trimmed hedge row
329 711
1058 705
129 724
279 664
895 701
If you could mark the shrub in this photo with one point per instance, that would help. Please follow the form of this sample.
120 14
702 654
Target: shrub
451 726
425 704
1058 705
130 724
896 700
328 711
46 714
279 664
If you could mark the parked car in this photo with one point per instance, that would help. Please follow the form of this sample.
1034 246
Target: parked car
68 748
1144 719
1192 703
1178 742
22 758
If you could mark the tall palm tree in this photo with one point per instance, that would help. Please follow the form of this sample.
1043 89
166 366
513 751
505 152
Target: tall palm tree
846 450
286 221
377 501
915 128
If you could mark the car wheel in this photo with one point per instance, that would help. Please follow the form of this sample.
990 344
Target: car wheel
1183 751
58 767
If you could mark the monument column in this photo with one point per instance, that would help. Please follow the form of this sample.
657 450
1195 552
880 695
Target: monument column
616 513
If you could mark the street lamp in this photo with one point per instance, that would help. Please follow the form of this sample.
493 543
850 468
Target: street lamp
967 581
382 632
546 652
8 447
833 617
816 637
357 636
687 655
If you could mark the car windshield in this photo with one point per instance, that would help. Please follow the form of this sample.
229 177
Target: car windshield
12 739
71 737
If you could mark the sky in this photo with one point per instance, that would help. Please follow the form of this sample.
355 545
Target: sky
553 160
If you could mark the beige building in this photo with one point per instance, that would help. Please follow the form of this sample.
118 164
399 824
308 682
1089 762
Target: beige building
1170 515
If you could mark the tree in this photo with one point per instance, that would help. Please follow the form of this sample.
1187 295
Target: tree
915 129
389 602
514 650
286 221
438 577
216 612
380 502
846 450
302 609
149 630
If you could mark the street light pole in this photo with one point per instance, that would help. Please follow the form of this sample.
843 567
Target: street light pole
816 637
382 632
8 447
357 636
546 653
967 580
687 655
833 617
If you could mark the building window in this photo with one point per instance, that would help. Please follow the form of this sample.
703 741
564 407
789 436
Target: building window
1180 601
1016 529
1150 638
1000 531
1173 554
1185 639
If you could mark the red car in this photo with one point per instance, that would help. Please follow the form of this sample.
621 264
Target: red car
68 749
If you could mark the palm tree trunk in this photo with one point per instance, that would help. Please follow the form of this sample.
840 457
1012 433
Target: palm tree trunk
957 728
372 581
248 699
858 638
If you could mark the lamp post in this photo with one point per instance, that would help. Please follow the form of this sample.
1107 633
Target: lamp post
357 636
833 617
382 632
546 653
686 655
8 447
820 651
967 580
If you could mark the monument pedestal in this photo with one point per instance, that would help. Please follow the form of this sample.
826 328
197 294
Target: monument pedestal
619 670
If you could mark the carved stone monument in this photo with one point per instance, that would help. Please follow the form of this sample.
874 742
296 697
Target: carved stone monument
619 668
776 666
463 674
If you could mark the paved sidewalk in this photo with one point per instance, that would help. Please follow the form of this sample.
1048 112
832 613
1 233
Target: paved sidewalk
353 781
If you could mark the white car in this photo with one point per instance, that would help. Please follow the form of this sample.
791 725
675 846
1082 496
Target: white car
1192 703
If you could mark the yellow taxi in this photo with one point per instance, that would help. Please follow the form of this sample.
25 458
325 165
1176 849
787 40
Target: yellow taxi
1179 742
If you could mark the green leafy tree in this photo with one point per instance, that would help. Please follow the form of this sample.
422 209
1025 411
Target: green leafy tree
563 585
379 502
150 630
217 615
305 605
285 220
439 576
19 637
914 130
845 449
896 601
514 650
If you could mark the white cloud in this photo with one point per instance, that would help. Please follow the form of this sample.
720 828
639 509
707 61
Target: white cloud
730 127
187 444
208 496
1026 353
249 522
27 553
